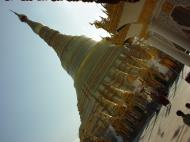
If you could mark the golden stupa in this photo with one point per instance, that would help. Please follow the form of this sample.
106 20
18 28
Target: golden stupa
118 86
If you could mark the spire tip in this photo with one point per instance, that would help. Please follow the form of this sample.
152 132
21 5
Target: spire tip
23 18
14 12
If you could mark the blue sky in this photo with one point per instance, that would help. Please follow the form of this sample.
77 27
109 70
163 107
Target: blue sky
37 98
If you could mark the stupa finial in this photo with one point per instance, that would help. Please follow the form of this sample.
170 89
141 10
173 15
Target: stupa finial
22 17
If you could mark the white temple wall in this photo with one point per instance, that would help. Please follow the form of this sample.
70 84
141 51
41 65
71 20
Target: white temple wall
134 30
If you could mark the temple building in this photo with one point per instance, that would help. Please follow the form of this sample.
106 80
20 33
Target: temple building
121 81
157 22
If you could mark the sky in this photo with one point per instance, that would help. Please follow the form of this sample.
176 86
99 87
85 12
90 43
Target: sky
37 97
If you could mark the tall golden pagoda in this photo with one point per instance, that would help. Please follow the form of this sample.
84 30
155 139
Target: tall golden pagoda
117 86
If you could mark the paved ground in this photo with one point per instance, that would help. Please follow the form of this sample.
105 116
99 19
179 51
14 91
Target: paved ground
167 126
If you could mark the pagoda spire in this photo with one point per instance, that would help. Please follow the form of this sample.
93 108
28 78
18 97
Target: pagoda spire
71 50
23 18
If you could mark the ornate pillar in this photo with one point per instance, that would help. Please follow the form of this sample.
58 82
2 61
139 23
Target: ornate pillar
169 34
171 51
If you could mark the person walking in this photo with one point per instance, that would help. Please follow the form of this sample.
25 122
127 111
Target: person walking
187 105
186 117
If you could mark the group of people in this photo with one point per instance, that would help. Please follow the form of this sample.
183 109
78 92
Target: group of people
186 117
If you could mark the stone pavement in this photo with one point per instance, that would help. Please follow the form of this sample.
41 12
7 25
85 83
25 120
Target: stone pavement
167 126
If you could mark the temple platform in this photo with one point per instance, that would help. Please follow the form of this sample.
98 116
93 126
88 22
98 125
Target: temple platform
166 126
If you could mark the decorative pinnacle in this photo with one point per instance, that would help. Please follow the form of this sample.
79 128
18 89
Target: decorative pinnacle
23 18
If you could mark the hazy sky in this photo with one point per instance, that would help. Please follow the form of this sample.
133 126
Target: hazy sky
37 98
